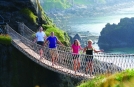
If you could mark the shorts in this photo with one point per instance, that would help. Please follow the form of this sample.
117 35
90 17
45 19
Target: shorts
89 58
75 56
40 43
53 52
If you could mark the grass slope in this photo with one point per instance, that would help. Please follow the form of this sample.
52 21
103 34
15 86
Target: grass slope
122 79
5 39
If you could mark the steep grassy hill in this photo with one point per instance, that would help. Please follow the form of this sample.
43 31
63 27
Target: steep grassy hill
123 79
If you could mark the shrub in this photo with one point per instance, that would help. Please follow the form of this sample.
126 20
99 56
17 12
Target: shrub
5 39
32 17
123 79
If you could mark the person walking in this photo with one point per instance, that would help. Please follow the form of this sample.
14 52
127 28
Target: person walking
53 40
89 49
40 37
75 53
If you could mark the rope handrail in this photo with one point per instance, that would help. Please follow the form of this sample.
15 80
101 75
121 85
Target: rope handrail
103 62
28 33
103 56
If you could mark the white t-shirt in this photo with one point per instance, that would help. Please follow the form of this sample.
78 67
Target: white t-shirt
40 36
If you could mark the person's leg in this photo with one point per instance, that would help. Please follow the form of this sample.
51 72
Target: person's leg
91 67
75 62
52 57
56 56
78 65
40 48
41 53
75 67
87 66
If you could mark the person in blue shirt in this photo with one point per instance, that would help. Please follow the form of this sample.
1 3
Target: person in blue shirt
53 40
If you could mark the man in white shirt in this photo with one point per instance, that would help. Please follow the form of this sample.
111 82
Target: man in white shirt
40 36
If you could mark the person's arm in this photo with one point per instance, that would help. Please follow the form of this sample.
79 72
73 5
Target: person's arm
84 50
45 37
81 48
96 51
46 40
72 48
35 39
59 42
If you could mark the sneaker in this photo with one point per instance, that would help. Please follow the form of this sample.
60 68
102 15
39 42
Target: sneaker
41 57
78 70
52 64
74 72
91 75
56 63
86 73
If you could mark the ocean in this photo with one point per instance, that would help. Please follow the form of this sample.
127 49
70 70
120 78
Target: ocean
95 24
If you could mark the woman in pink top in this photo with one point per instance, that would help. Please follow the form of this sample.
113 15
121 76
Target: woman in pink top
75 50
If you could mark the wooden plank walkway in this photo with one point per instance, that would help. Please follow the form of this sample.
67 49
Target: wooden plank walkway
46 63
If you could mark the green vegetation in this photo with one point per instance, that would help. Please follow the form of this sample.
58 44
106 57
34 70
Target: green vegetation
5 39
123 79
41 14
30 15
45 19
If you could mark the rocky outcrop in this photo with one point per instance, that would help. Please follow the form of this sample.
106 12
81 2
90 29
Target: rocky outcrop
120 35
16 70
11 11
77 36
5 66
71 39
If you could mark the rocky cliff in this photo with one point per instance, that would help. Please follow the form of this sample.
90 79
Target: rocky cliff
120 35
16 70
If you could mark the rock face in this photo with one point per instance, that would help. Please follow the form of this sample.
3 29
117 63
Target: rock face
77 36
16 70
120 35
5 67
71 39
11 12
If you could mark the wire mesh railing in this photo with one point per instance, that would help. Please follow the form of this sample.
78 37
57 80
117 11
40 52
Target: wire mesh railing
110 58
29 34
102 62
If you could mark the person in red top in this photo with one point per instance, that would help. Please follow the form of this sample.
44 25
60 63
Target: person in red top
75 53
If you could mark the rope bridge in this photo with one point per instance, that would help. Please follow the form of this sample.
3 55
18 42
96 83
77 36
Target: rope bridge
103 62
